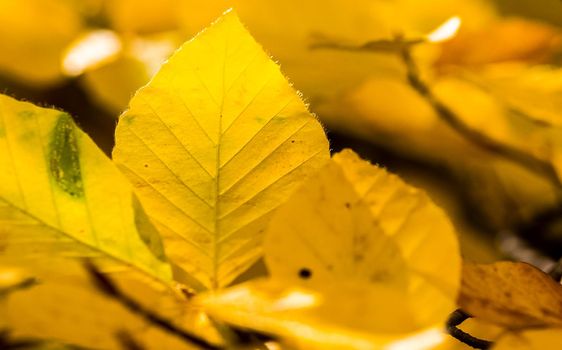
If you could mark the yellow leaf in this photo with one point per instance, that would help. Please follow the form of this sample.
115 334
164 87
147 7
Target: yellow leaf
535 92
355 252
542 339
65 304
341 316
514 295
356 221
61 196
32 41
213 144
421 230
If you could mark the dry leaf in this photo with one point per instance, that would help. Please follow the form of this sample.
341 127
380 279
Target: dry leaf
511 294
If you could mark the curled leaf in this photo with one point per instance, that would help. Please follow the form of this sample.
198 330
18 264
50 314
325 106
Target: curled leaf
512 294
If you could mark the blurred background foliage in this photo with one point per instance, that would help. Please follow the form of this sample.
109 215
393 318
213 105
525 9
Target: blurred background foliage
470 113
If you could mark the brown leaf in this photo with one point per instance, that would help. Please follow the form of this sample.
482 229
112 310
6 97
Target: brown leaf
512 294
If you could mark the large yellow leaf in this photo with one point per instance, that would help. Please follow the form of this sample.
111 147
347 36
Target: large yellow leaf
373 257
513 295
61 196
354 220
213 144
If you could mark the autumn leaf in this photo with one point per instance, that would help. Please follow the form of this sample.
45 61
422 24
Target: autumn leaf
348 255
510 294
213 144
340 316
533 92
62 290
514 105
394 228
61 196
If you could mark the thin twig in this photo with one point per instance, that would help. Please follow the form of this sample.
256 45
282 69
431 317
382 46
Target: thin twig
526 160
383 45
24 284
455 319
107 286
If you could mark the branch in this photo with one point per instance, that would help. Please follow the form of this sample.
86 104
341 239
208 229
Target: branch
455 319
536 165
106 286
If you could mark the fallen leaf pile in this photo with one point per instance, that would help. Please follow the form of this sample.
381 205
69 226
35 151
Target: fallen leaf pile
223 222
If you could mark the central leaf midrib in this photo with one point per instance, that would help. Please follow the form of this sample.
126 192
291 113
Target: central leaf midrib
214 282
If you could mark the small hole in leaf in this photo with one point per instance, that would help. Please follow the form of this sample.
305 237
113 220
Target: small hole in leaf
305 273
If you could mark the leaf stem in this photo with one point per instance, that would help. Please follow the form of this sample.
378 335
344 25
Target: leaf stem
455 319
106 286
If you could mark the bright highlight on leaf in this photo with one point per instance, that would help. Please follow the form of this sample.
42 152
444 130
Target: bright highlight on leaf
445 31
213 144
343 316
90 50
60 196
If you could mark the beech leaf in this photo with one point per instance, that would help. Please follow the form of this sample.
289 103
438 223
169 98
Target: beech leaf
213 144
512 294
61 196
